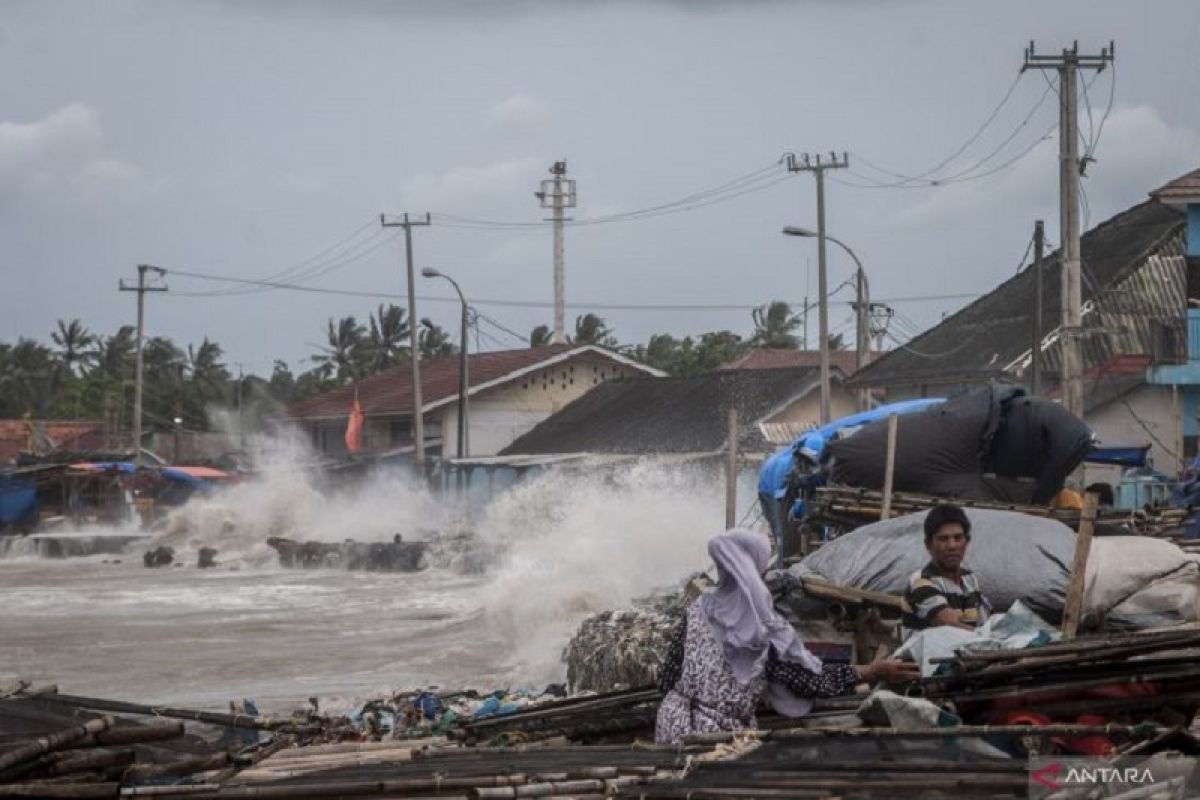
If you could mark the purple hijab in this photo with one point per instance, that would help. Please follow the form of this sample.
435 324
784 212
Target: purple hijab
743 617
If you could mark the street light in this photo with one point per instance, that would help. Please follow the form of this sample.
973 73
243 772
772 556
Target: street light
862 304
429 272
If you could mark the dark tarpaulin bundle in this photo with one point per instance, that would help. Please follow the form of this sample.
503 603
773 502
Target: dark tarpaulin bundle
994 443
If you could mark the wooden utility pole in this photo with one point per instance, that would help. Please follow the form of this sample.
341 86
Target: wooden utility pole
815 165
418 418
141 288
1068 65
1035 354
557 194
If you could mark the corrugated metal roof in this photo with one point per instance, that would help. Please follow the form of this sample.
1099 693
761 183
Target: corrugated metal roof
773 358
1182 188
389 393
1134 301
667 415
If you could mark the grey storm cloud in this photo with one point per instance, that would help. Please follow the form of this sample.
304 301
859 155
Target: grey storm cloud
257 139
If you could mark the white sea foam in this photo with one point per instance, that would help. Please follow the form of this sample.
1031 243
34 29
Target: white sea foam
582 542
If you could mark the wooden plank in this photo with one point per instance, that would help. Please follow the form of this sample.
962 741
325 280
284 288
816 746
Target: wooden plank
1073 607
889 474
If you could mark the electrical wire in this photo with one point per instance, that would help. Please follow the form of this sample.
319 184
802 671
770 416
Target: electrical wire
749 183
264 285
315 260
962 149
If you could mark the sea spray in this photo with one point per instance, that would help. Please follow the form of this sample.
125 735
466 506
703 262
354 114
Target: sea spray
585 541
287 496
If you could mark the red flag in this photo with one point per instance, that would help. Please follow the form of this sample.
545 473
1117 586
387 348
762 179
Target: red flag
354 427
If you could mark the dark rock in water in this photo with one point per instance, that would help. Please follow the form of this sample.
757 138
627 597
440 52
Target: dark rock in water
208 558
369 556
161 556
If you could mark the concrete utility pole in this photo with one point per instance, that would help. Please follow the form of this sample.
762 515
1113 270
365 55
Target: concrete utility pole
1068 65
418 418
558 193
1035 355
815 165
141 288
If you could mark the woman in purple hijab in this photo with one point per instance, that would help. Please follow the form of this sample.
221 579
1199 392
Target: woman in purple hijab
732 647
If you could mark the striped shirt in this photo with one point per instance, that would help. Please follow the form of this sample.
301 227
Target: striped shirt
929 592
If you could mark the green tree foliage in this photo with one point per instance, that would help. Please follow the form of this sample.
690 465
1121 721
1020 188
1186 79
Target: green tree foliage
775 326
591 329
540 336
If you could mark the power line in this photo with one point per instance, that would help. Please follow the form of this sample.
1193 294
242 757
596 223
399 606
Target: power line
923 181
262 285
749 183
316 260
480 301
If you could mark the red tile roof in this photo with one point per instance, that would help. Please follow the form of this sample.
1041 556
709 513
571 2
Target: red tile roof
390 392
771 358
67 434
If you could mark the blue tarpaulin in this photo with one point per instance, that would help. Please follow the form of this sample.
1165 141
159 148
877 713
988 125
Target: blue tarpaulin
1120 455
18 500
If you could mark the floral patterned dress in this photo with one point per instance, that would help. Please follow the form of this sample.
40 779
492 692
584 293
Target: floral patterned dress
702 696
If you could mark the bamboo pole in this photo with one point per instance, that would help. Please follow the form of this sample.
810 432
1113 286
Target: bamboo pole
182 766
722 737
207 717
731 455
60 790
889 474
1073 607
51 741
85 762
131 734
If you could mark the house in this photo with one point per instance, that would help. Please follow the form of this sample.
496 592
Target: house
777 358
1135 292
687 416
44 435
510 392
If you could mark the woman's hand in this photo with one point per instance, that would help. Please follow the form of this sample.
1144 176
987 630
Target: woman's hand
889 671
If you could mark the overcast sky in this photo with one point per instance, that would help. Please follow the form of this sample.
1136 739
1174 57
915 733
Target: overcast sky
242 138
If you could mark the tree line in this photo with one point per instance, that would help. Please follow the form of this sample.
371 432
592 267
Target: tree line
81 374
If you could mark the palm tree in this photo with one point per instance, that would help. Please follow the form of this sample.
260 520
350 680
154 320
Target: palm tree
774 325
540 336
76 346
340 359
204 365
388 338
115 354
26 370
434 342
590 329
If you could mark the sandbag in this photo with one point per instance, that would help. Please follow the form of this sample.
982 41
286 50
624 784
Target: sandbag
1132 581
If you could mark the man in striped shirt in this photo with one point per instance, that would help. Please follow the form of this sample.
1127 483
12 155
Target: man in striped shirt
945 592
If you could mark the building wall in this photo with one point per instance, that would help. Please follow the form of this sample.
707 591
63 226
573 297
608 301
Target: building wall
498 416
806 411
1145 415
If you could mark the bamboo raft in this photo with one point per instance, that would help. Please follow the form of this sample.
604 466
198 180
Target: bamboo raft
850 508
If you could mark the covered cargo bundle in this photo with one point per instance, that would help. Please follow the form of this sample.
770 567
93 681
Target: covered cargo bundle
1132 581
994 443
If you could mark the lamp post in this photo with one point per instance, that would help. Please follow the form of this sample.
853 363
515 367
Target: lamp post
429 272
862 306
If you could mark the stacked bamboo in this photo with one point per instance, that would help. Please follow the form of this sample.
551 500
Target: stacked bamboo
849 508
594 718
1131 675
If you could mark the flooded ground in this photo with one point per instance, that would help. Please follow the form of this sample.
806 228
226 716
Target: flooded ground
561 547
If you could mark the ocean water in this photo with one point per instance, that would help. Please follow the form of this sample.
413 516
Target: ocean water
559 547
